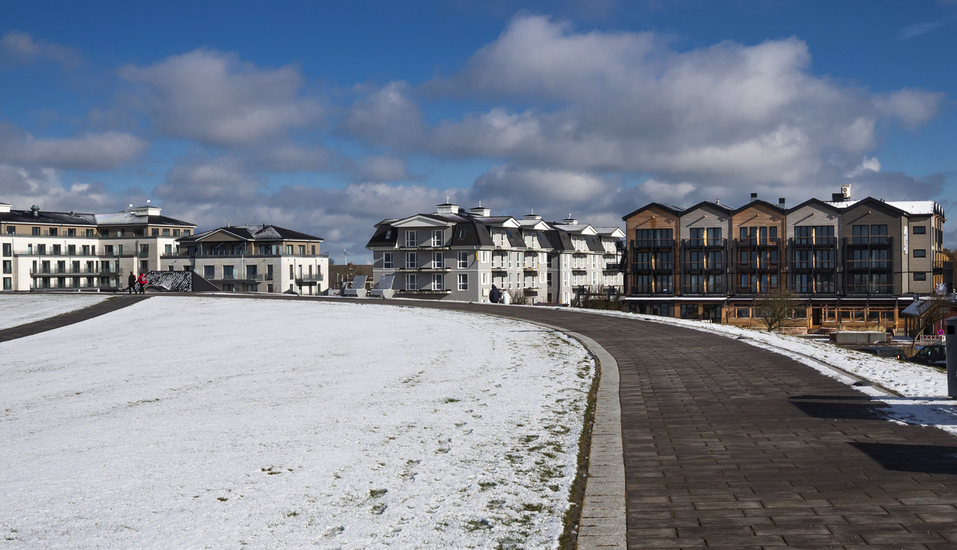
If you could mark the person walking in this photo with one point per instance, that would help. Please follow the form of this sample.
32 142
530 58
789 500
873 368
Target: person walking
132 282
495 295
142 282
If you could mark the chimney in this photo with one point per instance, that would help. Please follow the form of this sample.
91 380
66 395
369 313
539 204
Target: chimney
754 197
781 202
36 210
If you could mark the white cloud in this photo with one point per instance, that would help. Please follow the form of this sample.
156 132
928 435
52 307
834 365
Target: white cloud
728 116
19 48
867 165
23 187
91 151
215 99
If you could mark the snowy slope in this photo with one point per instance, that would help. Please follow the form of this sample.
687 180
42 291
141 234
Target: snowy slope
18 309
277 424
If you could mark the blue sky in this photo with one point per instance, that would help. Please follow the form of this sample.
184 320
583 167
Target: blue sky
328 117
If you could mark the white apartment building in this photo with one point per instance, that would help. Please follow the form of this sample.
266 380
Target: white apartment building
254 258
458 255
69 250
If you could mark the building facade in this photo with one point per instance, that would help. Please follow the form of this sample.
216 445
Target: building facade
69 250
254 258
458 255
849 262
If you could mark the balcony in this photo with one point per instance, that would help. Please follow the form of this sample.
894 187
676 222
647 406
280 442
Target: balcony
748 267
870 289
704 243
652 244
870 265
651 290
653 266
814 242
828 289
703 267
231 279
757 243
704 290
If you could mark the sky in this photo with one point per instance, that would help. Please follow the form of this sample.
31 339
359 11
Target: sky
328 117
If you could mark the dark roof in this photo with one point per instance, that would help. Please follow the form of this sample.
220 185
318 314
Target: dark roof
594 243
727 209
261 233
762 202
166 220
816 202
471 233
515 239
676 210
385 235
559 240
26 216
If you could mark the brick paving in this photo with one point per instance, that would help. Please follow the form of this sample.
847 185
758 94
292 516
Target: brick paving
730 446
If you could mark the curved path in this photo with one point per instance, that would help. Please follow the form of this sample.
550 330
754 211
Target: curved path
729 446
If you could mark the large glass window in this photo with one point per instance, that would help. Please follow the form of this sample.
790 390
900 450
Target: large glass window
463 260
411 239
388 260
463 281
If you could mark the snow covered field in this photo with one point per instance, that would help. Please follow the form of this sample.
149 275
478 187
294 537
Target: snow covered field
923 390
202 422
19 309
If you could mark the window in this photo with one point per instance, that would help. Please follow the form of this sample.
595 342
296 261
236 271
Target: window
155 232
463 281
302 250
463 260
269 274
313 250
71 233
7 250
35 231
437 237
484 278
209 271
169 250
917 276
920 230
228 272
139 232
411 281
166 232
176 232
411 240
57 250
89 233
288 249
144 265
412 260
144 249
54 231
7 266
7 283
186 232
11 230
438 260
41 249
120 232
438 282
71 249
920 253
388 260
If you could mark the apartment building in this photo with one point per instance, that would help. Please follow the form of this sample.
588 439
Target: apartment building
254 258
80 251
456 254
850 262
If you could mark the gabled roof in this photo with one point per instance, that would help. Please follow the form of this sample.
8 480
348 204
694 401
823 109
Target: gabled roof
871 201
261 233
815 202
915 208
708 204
611 232
500 221
676 210
759 202
425 220
578 229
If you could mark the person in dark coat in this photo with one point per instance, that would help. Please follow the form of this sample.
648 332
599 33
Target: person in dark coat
142 282
132 281
495 295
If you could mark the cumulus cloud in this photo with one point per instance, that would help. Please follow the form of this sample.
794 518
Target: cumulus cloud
216 99
24 187
728 116
210 182
90 151
19 48
381 168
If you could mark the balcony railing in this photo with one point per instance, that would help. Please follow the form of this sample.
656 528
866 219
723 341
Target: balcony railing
232 277
864 265
652 290
704 266
705 290
702 243
871 289
882 240
823 242
653 266
653 243
758 241
815 289
757 266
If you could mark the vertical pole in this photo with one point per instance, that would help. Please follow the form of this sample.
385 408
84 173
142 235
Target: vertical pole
950 330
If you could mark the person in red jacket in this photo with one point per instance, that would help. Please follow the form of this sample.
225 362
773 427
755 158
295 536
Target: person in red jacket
142 283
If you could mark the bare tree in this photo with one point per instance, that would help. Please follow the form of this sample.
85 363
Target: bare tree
775 307
931 309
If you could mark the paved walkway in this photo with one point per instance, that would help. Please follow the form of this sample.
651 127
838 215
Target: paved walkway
730 446
100 308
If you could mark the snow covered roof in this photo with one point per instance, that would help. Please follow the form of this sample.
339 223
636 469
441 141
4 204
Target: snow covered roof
915 207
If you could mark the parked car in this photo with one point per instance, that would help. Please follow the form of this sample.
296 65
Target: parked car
935 355
896 353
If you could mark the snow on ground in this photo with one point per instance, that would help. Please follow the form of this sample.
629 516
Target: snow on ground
19 309
185 422
923 390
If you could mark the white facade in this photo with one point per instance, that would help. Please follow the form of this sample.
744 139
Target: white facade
458 255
